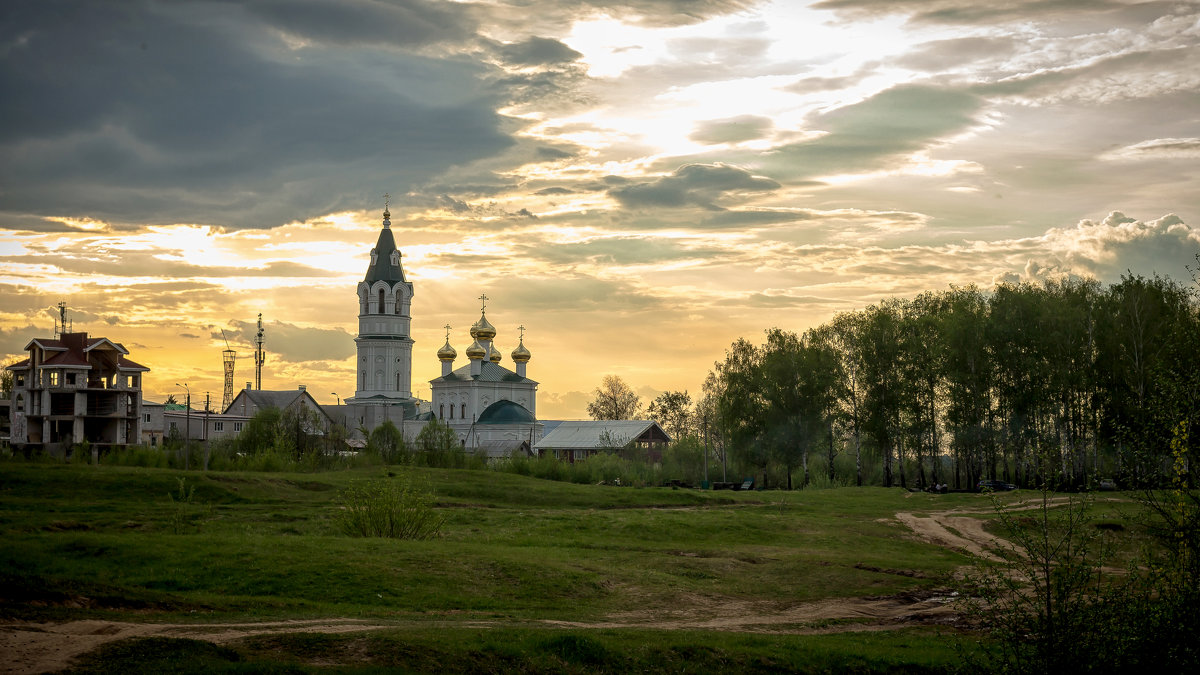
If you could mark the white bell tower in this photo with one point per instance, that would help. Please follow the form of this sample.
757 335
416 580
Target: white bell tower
384 360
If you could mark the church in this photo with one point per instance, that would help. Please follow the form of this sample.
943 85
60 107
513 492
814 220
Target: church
491 409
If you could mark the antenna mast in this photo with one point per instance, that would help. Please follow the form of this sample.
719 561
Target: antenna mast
228 359
259 356
60 325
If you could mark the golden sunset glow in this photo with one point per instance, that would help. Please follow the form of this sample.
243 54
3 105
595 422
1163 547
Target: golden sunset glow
638 184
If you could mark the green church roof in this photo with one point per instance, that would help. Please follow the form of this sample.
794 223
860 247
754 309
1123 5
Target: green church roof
506 412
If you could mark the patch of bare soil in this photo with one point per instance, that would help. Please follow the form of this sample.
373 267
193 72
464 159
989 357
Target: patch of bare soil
822 616
46 647
960 530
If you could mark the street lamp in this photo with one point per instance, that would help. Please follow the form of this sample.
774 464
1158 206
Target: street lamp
339 398
187 424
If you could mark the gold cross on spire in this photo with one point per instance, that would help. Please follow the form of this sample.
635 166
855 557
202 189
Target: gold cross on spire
386 198
483 302
447 332
522 329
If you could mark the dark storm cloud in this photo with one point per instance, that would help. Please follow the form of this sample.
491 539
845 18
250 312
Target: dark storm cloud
700 185
869 134
166 112
553 154
409 22
733 130
538 51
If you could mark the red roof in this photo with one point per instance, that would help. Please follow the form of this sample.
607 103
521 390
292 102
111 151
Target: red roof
126 364
67 359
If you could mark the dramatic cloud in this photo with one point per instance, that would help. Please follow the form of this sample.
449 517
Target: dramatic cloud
131 115
1118 243
693 185
538 51
637 182
295 343
871 134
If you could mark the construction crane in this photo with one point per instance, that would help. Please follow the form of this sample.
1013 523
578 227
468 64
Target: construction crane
228 359
259 356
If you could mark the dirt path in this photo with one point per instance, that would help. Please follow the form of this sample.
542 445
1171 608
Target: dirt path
961 529
46 647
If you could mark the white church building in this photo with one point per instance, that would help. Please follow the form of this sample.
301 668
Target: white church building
492 409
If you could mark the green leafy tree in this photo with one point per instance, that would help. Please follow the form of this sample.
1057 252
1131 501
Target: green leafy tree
614 400
742 407
387 441
673 411
6 380
261 431
437 437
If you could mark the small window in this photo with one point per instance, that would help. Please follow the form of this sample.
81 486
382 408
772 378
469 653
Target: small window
237 426
147 416
442 412
464 411
71 379
133 380
218 426
20 403
173 428
21 380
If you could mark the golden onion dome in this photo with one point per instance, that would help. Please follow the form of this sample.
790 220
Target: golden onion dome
482 330
447 353
521 354
494 356
476 351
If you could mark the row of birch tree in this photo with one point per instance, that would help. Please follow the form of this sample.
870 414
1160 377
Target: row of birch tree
954 386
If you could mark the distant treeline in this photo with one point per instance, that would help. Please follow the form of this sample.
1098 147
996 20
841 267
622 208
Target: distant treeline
1059 383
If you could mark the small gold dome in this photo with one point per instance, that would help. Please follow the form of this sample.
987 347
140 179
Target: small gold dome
482 330
476 351
447 353
495 356
521 354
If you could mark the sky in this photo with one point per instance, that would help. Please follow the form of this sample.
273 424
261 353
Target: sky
637 183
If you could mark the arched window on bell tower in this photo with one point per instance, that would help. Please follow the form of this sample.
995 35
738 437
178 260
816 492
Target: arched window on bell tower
380 311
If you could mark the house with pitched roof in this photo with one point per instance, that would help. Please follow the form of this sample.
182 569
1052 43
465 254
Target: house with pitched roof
576 440
73 389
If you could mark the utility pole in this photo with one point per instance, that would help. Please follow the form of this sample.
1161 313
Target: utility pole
187 423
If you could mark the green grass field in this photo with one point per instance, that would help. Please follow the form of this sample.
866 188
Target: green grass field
528 575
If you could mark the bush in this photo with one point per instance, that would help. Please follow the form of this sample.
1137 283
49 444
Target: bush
396 508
